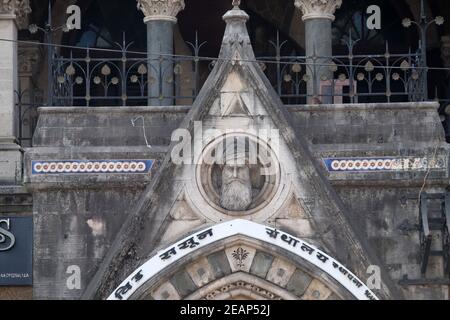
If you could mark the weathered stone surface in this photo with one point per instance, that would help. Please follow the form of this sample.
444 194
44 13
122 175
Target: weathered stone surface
261 264
166 292
316 291
219 262
201 272
58 127
183 283
280 272
298 283
109 225
74 227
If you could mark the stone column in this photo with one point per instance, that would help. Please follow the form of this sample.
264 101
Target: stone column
160 17
318 16
12 16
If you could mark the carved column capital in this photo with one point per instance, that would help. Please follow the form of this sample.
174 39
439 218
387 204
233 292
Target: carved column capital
445 50
160 9
318 9
19 8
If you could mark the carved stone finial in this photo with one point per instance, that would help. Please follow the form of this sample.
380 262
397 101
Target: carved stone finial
318 9
160 9
236 3
236 32
20 8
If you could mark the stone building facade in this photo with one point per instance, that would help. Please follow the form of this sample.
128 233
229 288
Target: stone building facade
237 195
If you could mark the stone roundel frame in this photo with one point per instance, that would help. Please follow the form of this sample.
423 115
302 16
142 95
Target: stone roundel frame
174 253
270 200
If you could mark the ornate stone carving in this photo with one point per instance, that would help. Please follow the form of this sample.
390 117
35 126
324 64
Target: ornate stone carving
21 8
236 32
236 191
445 49
7 6
242 285
160 9
240 255
239 182
318 9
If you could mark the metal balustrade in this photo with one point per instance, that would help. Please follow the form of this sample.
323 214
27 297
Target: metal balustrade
122 78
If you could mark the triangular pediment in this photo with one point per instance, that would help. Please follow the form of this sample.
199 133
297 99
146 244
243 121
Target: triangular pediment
237 96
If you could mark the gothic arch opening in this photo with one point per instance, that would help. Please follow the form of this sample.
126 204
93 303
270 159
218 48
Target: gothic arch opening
242 269
240 259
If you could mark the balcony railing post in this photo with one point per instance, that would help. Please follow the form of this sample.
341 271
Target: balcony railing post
88 78
123 70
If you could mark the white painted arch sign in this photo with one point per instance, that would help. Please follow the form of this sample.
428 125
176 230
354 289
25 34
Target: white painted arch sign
174 253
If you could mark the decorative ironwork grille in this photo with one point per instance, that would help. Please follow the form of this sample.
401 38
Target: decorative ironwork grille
88 79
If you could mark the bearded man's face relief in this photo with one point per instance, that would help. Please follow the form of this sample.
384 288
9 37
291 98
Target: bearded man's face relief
236 192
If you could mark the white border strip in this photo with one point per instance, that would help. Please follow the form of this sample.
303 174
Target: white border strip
190 244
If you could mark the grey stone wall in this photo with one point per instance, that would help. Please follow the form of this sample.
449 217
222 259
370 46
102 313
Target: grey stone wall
77 216
84 127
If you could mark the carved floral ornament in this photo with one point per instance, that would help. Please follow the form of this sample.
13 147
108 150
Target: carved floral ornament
160 9
21 8
318 9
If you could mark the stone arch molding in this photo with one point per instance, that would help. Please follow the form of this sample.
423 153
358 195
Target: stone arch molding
333 276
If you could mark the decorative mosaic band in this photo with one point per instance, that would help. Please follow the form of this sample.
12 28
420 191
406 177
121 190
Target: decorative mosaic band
91 166
382 164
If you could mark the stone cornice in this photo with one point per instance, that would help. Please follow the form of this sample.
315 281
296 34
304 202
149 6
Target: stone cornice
318 9
19 8
160 9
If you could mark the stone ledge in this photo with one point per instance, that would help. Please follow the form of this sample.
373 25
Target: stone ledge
86 185
364 106
13 190
365 149
90 110
389 183
48 151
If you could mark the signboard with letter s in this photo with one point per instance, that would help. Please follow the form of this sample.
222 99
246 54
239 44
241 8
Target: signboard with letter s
16 251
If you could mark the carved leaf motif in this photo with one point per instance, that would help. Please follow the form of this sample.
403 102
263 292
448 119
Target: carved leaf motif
240 255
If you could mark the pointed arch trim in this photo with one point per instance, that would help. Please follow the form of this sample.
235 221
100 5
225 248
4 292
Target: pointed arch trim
172 254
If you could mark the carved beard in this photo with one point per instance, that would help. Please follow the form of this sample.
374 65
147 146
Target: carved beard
236 195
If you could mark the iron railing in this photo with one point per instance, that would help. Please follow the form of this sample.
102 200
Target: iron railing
27 103
89 78
348 78
123 78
